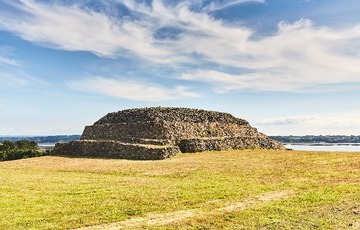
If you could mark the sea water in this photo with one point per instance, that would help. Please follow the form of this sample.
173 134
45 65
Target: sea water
348 147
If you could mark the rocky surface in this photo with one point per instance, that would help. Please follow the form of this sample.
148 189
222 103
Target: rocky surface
115 149
169 114
227 143
160 132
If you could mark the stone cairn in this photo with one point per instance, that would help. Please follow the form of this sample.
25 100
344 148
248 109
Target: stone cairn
157 133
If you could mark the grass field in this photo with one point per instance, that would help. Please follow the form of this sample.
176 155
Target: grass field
250 189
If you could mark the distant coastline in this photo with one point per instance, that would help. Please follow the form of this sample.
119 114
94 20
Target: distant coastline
319 139
312 140
339 147
306 143
42 139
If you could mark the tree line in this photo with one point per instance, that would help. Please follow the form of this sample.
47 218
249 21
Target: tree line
42 139
13 150
318 139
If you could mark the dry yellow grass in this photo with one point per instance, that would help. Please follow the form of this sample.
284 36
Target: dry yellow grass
212 190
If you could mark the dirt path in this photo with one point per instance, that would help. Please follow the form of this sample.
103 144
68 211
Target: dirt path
169 217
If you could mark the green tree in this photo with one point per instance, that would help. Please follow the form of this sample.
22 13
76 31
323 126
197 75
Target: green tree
20 149
8 145
26 144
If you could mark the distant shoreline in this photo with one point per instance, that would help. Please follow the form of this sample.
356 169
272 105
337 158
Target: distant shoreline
323 144
320 140
335 147
308 143
43 139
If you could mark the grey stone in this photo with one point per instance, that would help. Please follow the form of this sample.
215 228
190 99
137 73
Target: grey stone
161 132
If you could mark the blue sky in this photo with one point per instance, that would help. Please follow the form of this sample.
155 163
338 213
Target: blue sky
289 67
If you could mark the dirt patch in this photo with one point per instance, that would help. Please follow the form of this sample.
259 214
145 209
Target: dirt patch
267 197
170 217
356 210
150 219
355 225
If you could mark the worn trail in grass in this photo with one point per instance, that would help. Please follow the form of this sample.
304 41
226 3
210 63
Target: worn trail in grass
205 190
170 217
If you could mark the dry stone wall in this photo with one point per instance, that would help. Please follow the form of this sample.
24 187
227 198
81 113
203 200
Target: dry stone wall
171 131
158 132
124 131
227 143
115 149
177 131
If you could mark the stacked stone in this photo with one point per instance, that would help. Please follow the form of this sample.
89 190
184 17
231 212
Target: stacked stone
161 132
169 114
115 149
227 143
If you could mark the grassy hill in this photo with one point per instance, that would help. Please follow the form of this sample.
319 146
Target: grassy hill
251 189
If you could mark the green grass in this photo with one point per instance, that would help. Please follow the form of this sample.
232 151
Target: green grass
65 193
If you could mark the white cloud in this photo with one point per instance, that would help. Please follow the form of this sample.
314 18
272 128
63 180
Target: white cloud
131 90
299 57
291 120
342 124
8 61
67 27
73 28
219 5
11 73
224 82
17 78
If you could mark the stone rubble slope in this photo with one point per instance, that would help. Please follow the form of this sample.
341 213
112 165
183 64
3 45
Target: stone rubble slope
160 132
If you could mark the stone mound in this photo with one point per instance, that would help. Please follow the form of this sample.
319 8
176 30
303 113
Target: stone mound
159 132
166 114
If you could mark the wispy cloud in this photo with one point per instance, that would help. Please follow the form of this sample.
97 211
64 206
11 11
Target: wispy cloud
131 90
344 124
67 27
11 74
8 61
11 80
219 5
18 78
299 57
74 28
287 120
341 123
